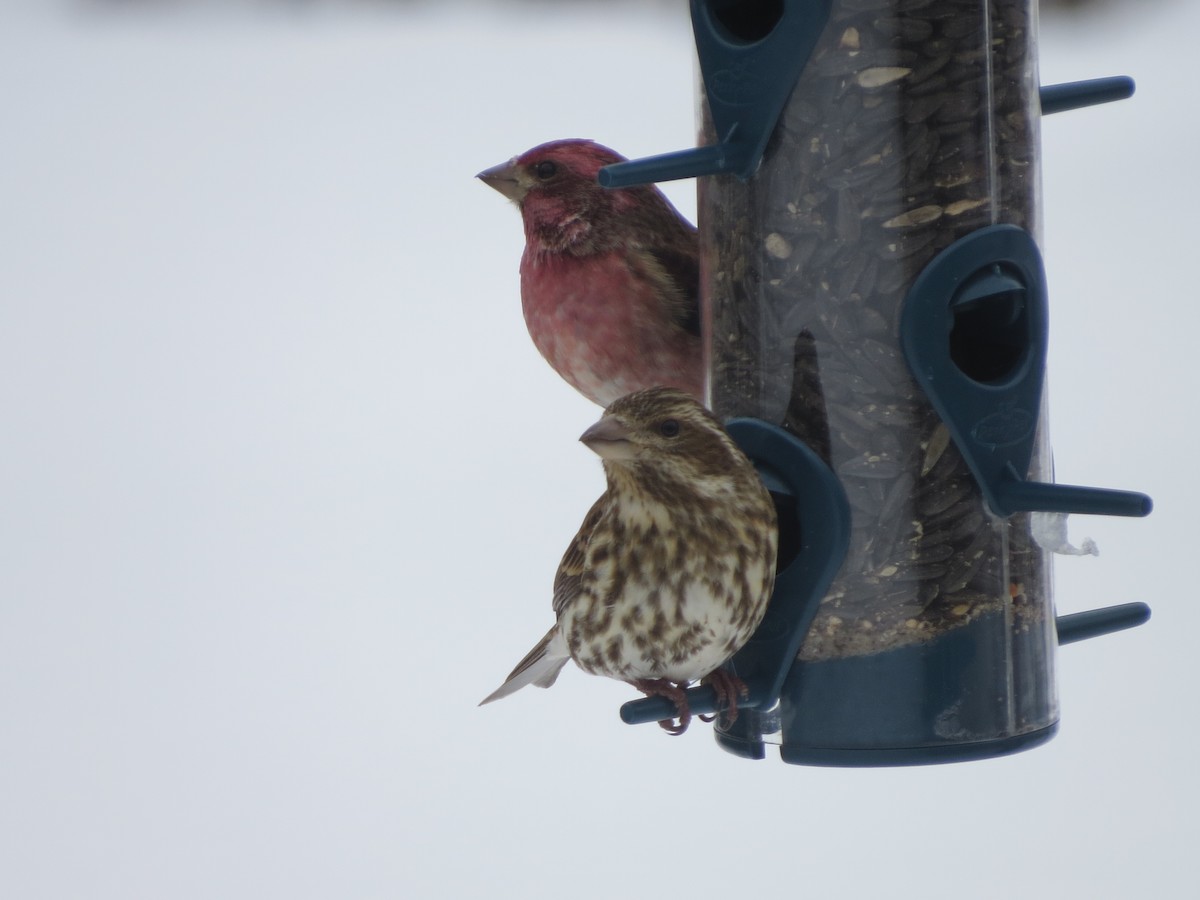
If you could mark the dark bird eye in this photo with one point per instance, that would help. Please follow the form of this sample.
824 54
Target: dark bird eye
668 428
545 169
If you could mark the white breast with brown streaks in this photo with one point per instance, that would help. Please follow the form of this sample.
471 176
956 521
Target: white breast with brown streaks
666 594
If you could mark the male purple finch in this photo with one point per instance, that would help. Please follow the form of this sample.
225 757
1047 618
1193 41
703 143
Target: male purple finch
609 278
672 569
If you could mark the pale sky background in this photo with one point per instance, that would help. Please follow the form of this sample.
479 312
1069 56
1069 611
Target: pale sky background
285 482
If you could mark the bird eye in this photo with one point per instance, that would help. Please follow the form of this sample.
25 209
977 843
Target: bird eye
545 169
668 428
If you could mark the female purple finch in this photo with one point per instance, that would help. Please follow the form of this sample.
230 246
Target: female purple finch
609 278
672 569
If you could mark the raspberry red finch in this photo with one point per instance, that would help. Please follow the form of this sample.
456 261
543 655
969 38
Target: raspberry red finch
609 278
673 566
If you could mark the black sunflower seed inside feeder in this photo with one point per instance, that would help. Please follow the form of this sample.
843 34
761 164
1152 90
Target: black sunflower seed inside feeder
876 314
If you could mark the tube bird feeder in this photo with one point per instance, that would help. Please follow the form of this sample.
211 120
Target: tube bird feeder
876 319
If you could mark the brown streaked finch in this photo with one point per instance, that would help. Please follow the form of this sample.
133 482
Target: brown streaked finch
610 279
672 569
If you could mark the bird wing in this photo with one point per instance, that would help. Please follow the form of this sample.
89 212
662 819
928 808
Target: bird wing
569 577
681 269
671 257
540 666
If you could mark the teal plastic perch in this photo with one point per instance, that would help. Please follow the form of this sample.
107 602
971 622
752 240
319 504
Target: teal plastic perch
751 56
974 332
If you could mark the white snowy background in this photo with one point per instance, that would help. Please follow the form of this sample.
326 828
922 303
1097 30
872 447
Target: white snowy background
283 482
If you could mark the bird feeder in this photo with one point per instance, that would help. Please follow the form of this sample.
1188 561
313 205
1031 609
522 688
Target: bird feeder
875 308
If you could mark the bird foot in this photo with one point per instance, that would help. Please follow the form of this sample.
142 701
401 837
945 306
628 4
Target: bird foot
661 687
728 688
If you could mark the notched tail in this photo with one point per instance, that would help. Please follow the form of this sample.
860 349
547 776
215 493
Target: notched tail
540 667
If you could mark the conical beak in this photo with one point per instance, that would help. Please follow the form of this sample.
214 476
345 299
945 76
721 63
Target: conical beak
506 178
609 439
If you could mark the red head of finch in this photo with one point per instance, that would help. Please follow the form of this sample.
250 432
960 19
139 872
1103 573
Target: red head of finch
609 278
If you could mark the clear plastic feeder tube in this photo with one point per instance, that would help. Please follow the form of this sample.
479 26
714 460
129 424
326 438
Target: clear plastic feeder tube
914 123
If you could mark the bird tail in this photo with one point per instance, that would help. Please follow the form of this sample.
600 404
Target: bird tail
540 666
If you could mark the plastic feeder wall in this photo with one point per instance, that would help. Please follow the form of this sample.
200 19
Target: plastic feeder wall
876 312
913 125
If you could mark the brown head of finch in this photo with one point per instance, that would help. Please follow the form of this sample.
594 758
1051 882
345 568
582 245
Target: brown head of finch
609 278
673 567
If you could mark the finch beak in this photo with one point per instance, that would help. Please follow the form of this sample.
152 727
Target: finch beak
609 439
506 178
